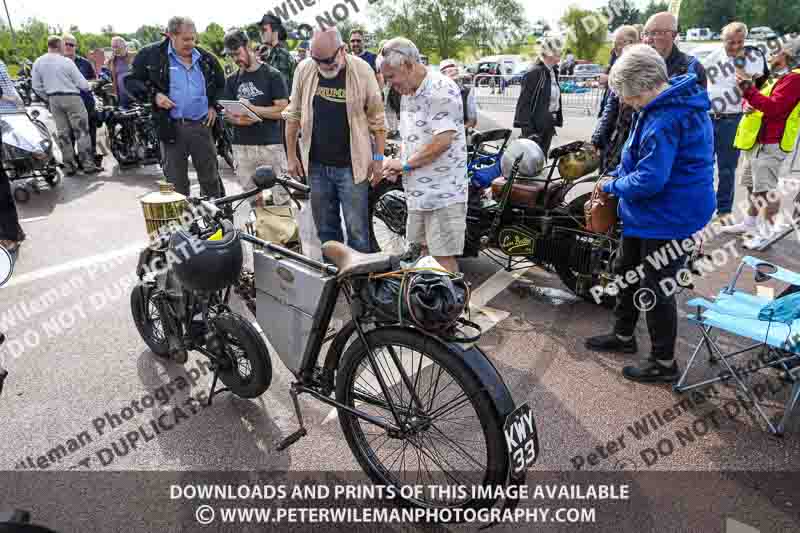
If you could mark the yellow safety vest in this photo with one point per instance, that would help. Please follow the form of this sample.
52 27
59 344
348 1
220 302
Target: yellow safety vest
750 125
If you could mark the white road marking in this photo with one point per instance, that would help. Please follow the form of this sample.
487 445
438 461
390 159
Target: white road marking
47 272
485 317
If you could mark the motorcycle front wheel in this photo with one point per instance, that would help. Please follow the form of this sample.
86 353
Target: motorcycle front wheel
249 373
148 320
451 437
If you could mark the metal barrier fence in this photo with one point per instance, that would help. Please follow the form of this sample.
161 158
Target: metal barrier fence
581 94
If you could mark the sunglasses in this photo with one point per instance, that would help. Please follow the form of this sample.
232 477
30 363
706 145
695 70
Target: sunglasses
356 40
329 61
69 45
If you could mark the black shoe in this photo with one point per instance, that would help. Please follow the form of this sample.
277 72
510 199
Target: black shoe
651 372
611 343
70 169
98 160
91 169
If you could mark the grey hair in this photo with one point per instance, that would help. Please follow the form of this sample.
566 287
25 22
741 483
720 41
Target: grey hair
550 47
68 36
641 68
176 23
735 27
791 46
117 38
397 52
673 20
629 33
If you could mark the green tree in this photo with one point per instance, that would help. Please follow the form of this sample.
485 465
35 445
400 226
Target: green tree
496 25
654 7
213 39
712 14
148 34
586 32
622 12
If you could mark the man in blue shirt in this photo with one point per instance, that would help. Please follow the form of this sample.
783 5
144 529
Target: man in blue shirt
184 82
357 49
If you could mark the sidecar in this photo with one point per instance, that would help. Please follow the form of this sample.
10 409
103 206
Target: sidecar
27 153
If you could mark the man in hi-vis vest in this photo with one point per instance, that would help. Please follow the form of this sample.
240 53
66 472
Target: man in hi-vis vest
767 135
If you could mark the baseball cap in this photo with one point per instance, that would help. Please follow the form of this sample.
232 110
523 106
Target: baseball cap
234 40
270 19
446 64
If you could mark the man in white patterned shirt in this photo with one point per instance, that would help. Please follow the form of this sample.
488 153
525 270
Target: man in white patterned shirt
433 159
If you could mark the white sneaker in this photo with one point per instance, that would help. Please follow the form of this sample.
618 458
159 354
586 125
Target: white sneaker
739 228
761 239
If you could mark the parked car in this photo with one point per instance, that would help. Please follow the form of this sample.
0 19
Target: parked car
762 33
716 37
520 71
498 65
588 69
698 34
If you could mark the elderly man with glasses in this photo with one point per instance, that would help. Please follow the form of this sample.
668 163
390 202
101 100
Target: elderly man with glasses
338 106
120 66
660 32
433 156
727 104
70 51
616 119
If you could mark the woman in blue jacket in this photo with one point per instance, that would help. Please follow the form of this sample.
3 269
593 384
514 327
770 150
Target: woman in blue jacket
665 187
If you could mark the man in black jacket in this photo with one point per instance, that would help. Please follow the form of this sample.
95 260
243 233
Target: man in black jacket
616 120
539 110
184 83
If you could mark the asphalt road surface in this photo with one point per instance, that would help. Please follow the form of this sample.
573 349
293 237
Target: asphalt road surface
77 366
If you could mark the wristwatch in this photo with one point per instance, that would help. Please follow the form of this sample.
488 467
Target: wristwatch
377 157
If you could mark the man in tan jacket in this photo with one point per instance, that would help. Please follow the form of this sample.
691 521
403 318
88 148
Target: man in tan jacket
337 104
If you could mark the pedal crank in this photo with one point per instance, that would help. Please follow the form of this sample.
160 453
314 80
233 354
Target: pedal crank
300 433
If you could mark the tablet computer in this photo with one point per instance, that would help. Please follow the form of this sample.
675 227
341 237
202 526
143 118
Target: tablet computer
235 107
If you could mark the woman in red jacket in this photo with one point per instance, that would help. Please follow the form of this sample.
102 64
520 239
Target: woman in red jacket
768 139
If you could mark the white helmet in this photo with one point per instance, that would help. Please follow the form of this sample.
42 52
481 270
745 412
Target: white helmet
532 158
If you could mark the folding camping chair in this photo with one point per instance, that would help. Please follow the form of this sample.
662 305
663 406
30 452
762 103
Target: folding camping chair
774 324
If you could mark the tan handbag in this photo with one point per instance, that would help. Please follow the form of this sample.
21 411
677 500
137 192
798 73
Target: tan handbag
601 215
276 223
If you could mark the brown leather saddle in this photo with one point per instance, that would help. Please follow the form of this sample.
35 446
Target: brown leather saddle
353 263
529 194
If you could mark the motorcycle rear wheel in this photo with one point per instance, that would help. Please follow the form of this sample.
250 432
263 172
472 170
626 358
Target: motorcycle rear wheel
438 452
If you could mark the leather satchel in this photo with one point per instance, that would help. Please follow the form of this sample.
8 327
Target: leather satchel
601 214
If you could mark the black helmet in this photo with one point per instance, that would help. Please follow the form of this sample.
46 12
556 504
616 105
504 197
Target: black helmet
234 40
205 265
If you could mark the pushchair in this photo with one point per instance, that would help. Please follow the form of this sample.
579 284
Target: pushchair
28 153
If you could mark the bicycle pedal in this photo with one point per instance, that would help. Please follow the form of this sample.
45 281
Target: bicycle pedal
291 439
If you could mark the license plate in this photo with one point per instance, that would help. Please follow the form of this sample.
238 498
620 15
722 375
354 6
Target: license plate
521 438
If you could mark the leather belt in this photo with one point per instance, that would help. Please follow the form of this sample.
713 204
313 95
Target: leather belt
190 121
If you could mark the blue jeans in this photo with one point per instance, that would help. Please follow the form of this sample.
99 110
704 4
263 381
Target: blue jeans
331 188
727 159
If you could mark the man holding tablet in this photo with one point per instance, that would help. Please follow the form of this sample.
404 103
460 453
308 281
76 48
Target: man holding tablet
260 87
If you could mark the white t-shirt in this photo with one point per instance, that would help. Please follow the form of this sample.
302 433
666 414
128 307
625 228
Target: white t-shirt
555 93
435 108
723 91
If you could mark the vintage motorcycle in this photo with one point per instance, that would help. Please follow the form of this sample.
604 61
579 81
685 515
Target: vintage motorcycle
132 134
523 218
436 403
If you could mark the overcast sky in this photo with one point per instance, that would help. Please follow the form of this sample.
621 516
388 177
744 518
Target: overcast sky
127 15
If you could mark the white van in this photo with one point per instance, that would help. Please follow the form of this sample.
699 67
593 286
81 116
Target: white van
698 34
507 65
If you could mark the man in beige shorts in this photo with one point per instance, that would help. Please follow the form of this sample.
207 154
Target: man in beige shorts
433 152
262 89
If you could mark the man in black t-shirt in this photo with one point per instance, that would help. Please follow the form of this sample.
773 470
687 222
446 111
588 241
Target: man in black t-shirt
262 89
